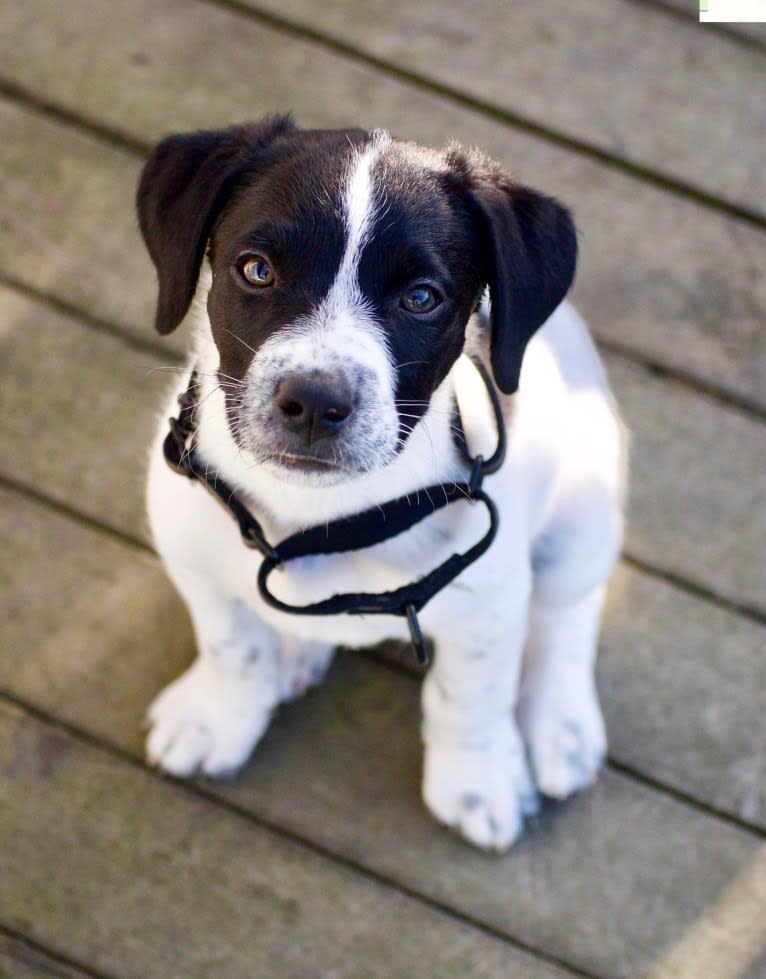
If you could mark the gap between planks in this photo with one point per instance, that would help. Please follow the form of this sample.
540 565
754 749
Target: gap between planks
18 947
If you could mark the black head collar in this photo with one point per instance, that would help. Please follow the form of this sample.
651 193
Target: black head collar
352 533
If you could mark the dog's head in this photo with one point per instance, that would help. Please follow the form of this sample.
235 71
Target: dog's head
345 267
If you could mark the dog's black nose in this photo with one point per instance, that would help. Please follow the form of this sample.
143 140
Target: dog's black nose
313 406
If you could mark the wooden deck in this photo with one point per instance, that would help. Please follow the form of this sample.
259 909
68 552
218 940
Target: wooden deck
320 860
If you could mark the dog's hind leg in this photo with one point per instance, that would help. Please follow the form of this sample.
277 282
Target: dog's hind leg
558 710
211 717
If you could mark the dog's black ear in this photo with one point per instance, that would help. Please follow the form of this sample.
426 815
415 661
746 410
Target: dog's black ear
531 250
183 187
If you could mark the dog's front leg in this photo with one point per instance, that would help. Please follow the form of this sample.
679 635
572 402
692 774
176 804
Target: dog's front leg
211 717
476 777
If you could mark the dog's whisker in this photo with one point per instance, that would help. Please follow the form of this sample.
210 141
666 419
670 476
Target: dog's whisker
412 363
429 408
166 369
201 401
243 342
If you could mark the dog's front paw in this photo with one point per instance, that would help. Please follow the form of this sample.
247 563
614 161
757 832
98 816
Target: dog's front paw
207 721
565 735
483 792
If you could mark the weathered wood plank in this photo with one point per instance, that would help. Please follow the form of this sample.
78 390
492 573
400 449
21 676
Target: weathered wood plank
683 686
675 103
696 307
104 392
67 223
758 969
145 880
18 960
697 485
606 882
81 407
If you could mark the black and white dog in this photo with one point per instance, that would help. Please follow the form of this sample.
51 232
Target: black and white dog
336 282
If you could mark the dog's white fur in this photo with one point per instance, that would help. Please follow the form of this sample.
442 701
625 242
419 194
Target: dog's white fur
509 705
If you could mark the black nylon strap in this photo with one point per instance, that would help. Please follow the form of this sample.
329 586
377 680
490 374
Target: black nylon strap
181 455
416 594
373 526
361 530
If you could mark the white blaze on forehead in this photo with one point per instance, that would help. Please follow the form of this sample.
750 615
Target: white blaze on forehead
359 211
342 336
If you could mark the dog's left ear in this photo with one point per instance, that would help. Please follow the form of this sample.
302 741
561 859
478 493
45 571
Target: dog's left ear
531 250
184 184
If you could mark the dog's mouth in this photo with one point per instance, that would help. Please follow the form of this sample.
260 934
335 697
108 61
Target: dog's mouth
295 464
305 463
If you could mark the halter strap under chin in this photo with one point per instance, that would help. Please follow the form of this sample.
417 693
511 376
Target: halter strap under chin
373 526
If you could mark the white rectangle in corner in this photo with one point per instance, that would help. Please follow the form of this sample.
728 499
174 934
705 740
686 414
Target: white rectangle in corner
733 11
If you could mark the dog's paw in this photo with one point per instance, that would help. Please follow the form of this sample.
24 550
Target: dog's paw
207 721
482 792
564 730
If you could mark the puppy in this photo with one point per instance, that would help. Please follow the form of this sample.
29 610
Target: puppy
336 282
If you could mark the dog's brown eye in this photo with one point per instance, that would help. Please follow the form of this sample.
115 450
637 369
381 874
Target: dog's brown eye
257 271
420 299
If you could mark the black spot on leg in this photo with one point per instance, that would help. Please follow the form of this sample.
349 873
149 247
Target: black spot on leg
574 753
530 803
471 801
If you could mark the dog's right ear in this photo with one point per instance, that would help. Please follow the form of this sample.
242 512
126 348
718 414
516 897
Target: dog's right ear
184 184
